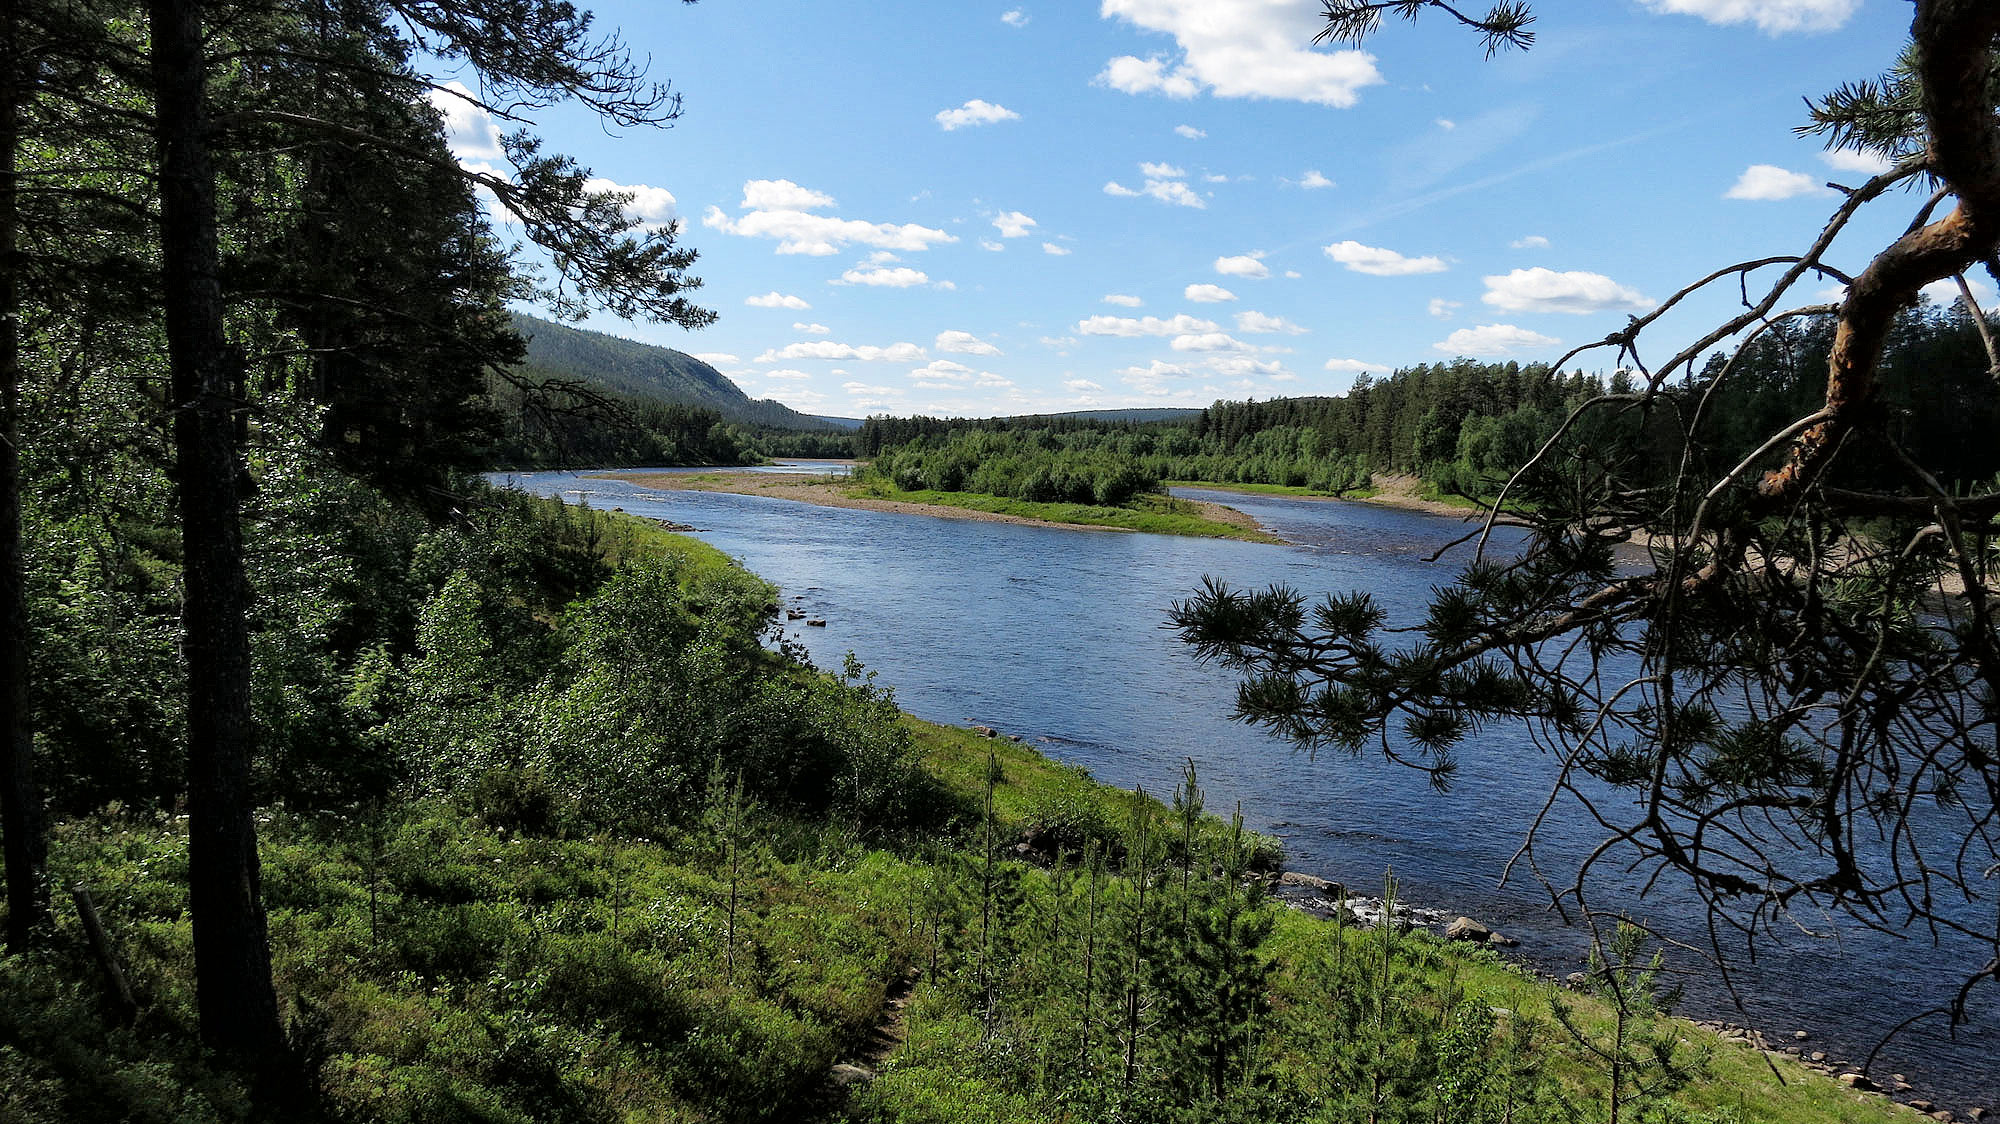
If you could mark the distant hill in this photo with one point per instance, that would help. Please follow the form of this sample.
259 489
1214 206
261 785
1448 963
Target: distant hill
848 424
643 371
1148 414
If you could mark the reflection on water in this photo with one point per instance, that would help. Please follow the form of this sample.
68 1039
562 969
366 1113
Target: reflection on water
1058 635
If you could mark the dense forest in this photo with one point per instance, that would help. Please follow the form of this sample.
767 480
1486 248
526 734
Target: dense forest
1465 427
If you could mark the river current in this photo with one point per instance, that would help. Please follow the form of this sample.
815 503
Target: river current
1057 635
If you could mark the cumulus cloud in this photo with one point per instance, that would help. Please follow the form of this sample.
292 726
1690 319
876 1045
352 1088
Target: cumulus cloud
975 112
1125 300
1164 182
1209 341
787 374
1443 309
1248 265
964 343
1378 262
781 195
1081 385
1493 339
471 132
810 329
776 299
1575 292
716 358
1013 224
1859 163
1207 294
653 207
1946 292
1237 49
827 349
1773 17
1257 323
1190 132
1355 367
1014 17
1531 242
1447 124
1126 326
886 277
782 210
1052 248
1768 182
1313 180
990 245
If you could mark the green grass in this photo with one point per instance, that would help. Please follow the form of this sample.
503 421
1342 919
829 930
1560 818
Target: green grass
1152 514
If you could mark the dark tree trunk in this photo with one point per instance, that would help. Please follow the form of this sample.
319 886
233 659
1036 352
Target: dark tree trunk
20 797
237 1004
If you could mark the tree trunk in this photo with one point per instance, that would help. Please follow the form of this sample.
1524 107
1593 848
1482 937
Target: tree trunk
233 993
20 797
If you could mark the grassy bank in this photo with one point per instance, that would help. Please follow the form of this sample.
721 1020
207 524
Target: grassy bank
1152 513
661 873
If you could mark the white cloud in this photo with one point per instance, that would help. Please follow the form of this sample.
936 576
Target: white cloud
1493 339
1013 224
1243 365
781 195
1771 16
975 112
1313 180
827 349
1053 249
1243 265
1181 324
653 207
1238 49
886 277
1132 75
1058 341
1355 367
1207 294
1161 172
1257 323
715 358
1860 163
1575 292
1945 292
1014 17
1190 132
964 343
1293 274
810 329
990 245
944 369
1531 242
867 397
1209 341
1125 300
1767 182
1116 188
1378 262
1216 177
471 132
1447 124
779 209
787 374
1175 192
1443 309
1081 385
776 299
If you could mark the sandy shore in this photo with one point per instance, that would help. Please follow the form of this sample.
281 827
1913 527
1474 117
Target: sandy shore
832 492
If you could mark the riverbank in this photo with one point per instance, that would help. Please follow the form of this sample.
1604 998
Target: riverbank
1169 516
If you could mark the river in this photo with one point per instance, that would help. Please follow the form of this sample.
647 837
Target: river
1058 636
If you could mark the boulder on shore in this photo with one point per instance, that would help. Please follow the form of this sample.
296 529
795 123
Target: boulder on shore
1311 882
1466 929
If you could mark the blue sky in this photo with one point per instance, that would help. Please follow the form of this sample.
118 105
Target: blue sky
973 208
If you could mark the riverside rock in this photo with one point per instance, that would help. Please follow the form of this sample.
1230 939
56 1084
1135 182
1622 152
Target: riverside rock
1466 929
1311 882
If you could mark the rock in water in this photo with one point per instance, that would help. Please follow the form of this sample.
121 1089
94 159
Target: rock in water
1466 929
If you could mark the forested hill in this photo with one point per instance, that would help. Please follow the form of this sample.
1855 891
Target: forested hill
643 371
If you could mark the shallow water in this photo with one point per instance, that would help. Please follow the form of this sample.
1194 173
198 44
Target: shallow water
1058 635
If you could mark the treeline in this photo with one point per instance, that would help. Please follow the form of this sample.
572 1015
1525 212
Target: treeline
1465 427
1040 466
